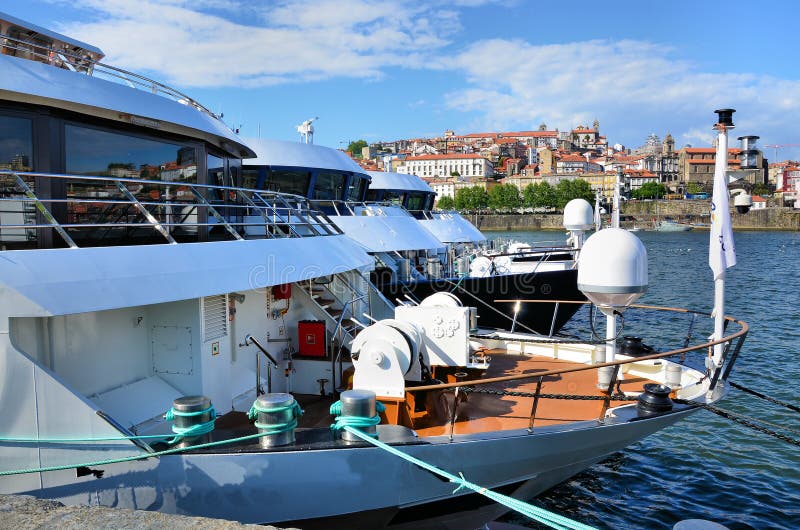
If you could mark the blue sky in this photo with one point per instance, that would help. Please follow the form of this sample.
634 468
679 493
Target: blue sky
384 71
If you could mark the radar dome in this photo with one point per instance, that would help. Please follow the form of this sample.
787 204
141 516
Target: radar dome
578 215
612 270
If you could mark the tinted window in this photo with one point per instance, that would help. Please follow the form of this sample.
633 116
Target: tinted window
16 144
287 181
372 195
394 197
329 186
416 201
99 153
356 188
96 152
16 154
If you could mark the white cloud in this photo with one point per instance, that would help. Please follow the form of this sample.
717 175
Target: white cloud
633 87
630 85
289 41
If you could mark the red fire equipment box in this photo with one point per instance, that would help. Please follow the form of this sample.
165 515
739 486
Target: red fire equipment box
282 292
311 337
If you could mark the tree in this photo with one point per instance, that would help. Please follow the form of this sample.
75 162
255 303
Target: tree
355 148
692 188
539 195
504 197
649 190
569 189
762 189
446 203
455 174
474 198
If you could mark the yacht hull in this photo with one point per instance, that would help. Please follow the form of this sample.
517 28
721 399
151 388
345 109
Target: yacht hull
352 487
483 293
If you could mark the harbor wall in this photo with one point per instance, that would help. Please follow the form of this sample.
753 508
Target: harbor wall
642 214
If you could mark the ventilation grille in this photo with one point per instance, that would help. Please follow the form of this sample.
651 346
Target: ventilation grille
215 317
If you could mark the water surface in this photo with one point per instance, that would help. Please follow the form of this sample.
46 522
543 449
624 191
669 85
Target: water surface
707 467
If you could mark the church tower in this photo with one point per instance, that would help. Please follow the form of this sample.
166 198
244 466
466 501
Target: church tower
668 146
596 125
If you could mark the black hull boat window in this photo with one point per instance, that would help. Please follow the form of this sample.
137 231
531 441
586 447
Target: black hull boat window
97 153
16 154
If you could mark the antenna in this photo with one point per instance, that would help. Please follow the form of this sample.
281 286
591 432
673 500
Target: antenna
306 131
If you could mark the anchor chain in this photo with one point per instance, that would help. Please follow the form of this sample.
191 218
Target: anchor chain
578 397
746 421
765 397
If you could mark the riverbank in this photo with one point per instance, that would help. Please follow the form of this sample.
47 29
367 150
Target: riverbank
23 511
642 214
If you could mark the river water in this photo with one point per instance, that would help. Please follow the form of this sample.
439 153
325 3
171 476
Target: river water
707 467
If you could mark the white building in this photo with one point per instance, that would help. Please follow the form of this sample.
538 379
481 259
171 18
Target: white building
443 166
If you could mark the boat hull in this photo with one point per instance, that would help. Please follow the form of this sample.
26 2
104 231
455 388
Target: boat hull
357 487
483 293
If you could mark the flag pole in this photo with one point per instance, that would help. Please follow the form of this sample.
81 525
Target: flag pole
721 252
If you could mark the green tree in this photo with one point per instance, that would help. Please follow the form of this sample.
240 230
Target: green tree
569 189
504 197
455 174
762 189
649 190
474 198
539 195
355 148
692 188
446 203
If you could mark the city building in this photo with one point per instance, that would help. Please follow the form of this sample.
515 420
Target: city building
443 166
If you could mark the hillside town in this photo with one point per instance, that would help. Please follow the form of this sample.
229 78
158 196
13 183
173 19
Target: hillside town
457 161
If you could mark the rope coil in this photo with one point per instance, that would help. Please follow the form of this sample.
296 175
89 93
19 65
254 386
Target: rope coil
356 422
276 428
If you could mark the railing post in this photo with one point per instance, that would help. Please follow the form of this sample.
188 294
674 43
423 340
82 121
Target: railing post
44 211
609 393
535 403
147 215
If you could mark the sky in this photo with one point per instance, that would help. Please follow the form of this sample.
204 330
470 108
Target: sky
382 71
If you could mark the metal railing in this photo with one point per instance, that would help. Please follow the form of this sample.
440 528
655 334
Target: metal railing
348 208
713 375
109 209
86 64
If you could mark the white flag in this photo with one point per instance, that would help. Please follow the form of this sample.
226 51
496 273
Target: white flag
721 251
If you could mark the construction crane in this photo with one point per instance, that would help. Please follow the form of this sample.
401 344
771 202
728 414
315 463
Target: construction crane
780 146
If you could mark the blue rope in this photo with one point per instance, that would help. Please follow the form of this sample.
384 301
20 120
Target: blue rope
180 433
195 430
340 422
541 515
276 428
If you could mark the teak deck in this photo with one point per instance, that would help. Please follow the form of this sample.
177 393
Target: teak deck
478 412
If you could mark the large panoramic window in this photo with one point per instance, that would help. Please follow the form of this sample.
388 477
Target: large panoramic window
16 154
288 181
329 186
97 153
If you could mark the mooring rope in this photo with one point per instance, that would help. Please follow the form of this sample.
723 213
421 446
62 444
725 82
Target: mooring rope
540 515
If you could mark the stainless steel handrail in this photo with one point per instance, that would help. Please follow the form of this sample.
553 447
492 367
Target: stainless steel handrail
281 215
60 58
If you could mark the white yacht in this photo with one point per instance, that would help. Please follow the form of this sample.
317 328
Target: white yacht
163 326
479 274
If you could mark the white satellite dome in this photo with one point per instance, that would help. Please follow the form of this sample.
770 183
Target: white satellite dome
578 215
612 270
